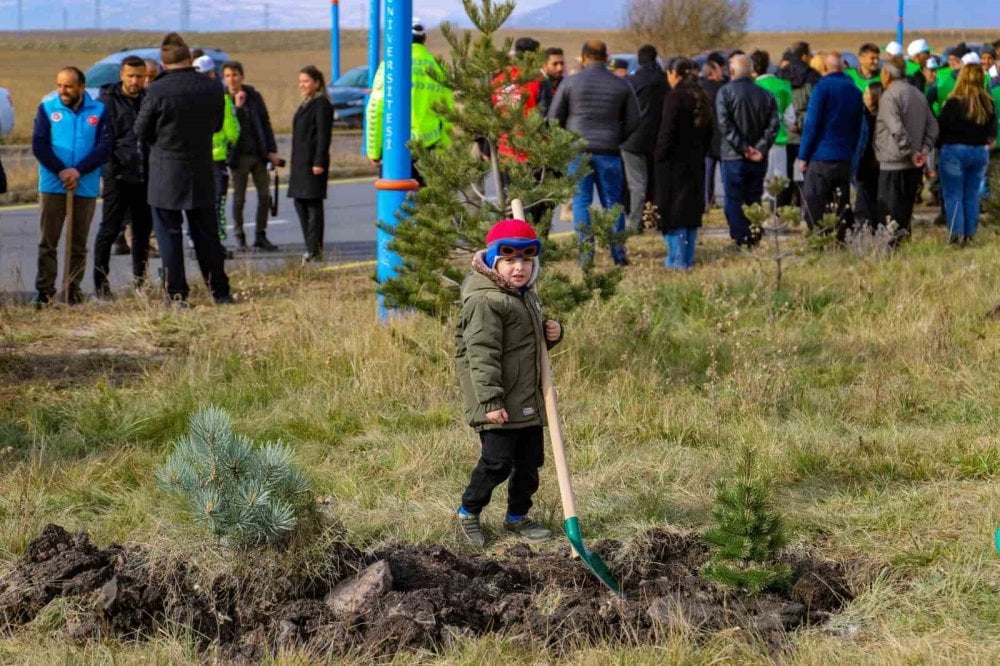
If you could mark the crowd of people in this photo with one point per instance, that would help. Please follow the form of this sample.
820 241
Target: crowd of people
859 144
160 146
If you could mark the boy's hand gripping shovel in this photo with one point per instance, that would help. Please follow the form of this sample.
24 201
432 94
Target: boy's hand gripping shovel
571 524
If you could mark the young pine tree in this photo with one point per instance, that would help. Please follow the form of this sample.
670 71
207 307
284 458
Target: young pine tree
748 532
447 219
249 493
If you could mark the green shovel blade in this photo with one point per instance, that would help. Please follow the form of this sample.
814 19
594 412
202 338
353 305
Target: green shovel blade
592 560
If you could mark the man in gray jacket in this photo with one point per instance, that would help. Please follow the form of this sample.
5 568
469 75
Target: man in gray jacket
603 110
748 120
905 133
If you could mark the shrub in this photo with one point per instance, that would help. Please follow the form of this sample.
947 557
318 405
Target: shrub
748 533
249 493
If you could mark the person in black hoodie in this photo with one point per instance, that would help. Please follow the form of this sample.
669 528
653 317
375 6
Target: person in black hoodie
124 186
867 169
712 79
650 84
802 77
251 155
181 111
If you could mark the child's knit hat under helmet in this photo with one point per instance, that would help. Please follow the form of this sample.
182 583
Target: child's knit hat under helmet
517 234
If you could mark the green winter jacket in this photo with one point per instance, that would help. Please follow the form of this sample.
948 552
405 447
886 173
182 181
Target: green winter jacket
226 137
427 126
861 82
782 92
496 350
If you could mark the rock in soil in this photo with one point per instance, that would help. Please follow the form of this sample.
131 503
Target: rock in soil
410 597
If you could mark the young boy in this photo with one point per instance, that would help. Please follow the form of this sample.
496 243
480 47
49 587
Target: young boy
500 376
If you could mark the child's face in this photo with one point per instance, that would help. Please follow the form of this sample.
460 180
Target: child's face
516 269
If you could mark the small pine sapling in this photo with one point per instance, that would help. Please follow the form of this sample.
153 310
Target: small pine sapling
768 218
235 488
748 532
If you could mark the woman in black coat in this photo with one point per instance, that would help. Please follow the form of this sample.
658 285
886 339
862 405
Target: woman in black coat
683 141
310 169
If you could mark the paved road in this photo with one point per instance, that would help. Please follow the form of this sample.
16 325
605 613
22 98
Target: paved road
350 237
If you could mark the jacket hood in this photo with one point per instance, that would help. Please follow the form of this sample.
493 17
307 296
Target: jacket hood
798 73
494 278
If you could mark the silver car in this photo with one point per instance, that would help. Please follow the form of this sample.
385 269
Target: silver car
6 112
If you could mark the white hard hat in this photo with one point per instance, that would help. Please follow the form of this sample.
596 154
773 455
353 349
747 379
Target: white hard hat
204 64
894 48
971 58
918 46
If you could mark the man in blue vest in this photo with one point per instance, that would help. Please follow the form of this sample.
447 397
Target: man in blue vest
71 141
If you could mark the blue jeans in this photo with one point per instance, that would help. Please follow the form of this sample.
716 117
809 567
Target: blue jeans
962 170
607 172
680 248
743 182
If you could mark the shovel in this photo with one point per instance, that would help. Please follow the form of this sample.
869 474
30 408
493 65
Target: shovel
571 524
68 252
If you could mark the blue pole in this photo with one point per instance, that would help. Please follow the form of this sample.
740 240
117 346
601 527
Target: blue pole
334 40
396 178
899 24
374 46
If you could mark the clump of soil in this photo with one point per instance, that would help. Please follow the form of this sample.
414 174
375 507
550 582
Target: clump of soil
409 597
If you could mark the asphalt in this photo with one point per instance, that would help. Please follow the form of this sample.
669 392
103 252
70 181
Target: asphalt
349 239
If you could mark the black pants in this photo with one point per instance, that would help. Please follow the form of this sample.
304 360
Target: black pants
897 192
311 218
203 229
790 194
507 454
221 194
250 166
828 190
122 202
866 202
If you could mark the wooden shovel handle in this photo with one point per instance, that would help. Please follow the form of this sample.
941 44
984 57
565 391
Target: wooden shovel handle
552 411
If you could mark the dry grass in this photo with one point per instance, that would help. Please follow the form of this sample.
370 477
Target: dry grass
869 388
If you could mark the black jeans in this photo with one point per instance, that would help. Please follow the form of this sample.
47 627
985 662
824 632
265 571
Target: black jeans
122 202
311 218
866 202
507 454
203 229
828 190
897 192
250 166
791 194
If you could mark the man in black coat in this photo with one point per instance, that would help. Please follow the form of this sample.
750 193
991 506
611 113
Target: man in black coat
650 85
181 112
124 186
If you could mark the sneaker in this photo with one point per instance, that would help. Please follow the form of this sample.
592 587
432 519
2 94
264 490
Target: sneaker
472 530
224 300
263 244
526 528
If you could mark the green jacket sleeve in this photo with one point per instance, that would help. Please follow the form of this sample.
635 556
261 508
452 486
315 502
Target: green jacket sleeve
373 116
230 124
483 337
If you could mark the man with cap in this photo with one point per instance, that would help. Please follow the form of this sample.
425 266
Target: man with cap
223 142
619 67
427 127
918 53
867 72
803 78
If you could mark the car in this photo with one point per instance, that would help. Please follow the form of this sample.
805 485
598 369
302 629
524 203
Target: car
6 112
347 94
107 69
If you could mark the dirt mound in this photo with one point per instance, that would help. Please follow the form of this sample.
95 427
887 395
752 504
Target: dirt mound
406 597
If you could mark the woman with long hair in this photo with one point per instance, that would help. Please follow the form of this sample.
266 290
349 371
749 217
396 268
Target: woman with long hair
683 141
310 168
866 176
968 126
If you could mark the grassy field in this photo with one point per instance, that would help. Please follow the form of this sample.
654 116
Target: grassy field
870 390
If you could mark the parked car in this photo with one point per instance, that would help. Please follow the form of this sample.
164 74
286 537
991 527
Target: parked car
107 69
347 94
6 112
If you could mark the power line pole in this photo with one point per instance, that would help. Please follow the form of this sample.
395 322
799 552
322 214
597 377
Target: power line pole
267 16
935 19
65 19
97 14
826 15
20 16
185 15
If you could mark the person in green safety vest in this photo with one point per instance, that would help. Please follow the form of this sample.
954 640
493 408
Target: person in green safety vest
918 52
222 141
867 72
781 90
427 126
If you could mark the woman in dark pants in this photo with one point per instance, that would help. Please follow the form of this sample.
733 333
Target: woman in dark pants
866 178
310 166
684 139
